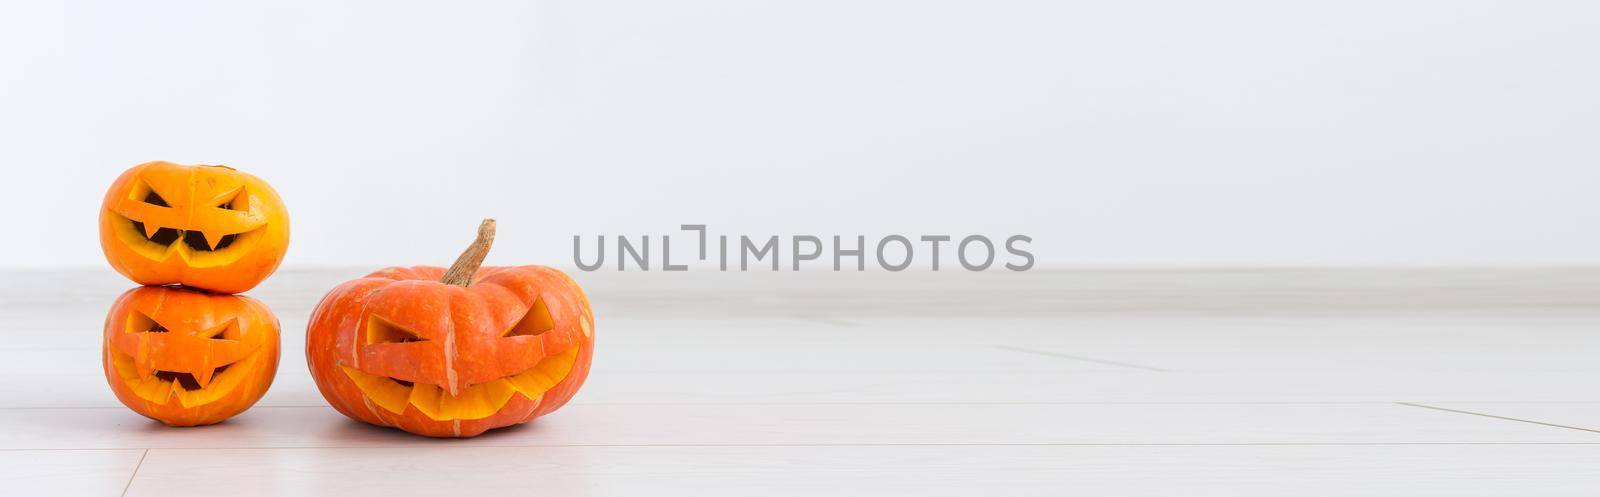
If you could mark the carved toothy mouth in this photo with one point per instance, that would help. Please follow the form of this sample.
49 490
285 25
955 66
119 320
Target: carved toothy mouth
475 402
188 381
195 240
199 247
160 386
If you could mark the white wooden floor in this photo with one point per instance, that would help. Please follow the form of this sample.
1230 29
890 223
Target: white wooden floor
1436 382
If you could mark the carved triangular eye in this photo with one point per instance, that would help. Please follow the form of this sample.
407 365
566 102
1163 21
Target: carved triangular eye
138 322
225 331
238 202
536 321
380 330
155 199
143 192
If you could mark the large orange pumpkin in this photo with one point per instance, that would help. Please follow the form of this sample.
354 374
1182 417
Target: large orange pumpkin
452 353
208 227
186 357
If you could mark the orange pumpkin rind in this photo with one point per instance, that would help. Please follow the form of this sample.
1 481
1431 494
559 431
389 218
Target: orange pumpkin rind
186 357
209 227
496 347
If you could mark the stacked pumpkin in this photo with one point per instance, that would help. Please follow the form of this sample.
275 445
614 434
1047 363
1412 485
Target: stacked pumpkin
433 351
183 349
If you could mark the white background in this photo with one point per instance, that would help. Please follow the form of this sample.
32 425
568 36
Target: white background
1115 133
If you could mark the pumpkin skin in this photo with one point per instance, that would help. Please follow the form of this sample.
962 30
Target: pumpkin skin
186 357
399 348
209 227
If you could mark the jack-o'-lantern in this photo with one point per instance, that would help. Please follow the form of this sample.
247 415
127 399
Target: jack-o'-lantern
186 357
452 353
209 227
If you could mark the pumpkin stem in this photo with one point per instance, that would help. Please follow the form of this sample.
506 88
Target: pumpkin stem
461 272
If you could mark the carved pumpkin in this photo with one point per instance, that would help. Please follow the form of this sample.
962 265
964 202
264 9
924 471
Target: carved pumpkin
186 357
452 353
208 227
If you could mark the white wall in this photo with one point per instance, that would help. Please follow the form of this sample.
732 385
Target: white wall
1115 133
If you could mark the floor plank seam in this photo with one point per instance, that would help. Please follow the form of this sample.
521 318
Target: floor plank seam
930 403
1080 358
897 403
422 444
1492 416
135 473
